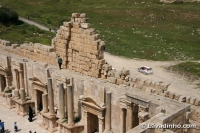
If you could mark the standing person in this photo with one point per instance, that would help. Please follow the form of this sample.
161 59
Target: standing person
15 127
1 127
30 131
59 61
30 114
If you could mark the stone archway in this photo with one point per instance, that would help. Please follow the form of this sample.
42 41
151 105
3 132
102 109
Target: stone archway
94 115
39 88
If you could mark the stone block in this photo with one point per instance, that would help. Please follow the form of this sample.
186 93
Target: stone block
158 91
188 99
171 95
112 80
111 73
107 67
119 81
76 25
75 15
197 102
117 74
182 99
192 100
148 90
67 24
15 45
132 84
84 20
82 15
177 96
85 25
127 78
137 86
126 83
188 115
125 72
143 115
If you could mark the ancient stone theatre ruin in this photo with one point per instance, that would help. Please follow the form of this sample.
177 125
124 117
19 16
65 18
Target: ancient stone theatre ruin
87 96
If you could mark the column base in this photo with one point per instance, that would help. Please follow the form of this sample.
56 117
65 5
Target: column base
49 122
65 127
107 132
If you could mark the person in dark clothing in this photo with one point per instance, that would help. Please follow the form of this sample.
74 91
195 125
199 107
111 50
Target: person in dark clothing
15 127
2 127
59 61
30 114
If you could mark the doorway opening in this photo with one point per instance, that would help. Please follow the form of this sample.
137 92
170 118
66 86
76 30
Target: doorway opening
93 125
2 83
39 101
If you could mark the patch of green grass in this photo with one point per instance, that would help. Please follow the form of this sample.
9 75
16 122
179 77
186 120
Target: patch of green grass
24 33
134 29
190 68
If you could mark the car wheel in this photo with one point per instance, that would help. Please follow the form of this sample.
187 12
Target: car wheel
145 73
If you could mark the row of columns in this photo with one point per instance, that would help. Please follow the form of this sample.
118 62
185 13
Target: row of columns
127 117
19 82
48 100
70 109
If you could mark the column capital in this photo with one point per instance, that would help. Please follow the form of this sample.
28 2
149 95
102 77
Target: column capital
142 108
129 105
101 120
85 113
20 71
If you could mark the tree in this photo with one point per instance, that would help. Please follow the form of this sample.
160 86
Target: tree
8 16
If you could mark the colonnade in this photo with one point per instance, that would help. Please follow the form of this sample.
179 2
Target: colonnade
131 115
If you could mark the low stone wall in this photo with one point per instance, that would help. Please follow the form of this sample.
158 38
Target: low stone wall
38 52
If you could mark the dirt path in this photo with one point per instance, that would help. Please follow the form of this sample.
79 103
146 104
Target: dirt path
35 24
178 84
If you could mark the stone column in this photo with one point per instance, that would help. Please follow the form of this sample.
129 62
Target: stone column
101 124
36 102
45 102
123 121
16 76
86 122
8 81
50 97
22 94
129 116
61 101
21 79
16 93
70 105
108 112
66 108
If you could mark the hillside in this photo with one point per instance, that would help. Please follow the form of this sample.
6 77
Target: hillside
134 29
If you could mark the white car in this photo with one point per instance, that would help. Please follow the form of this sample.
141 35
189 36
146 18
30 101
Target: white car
146 70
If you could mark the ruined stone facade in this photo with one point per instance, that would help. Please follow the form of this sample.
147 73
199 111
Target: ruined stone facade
88 89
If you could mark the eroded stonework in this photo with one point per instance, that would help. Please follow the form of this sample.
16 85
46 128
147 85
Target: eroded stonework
88 89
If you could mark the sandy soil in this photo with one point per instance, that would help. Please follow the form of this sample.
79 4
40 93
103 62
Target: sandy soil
178 83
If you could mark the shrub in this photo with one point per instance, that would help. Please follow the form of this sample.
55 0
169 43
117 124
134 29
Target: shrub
8 16
8 91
